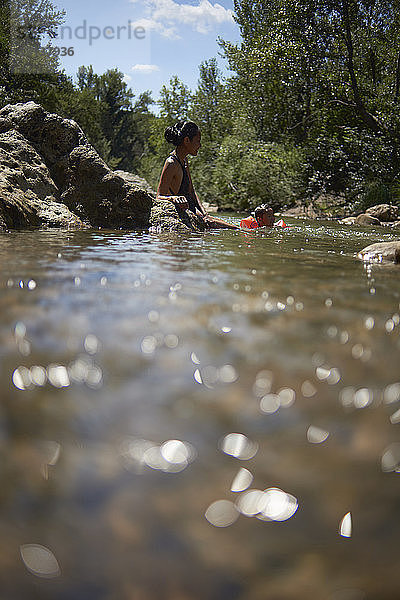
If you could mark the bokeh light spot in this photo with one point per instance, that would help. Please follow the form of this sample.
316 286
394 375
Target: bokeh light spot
345 526
40 561
222 513
239 446
242 480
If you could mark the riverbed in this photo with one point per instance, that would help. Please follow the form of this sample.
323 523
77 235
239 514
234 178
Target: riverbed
203 416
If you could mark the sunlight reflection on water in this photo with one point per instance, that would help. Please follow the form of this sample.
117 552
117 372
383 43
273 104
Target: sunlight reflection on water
139 371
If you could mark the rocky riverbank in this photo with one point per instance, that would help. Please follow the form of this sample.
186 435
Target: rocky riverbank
334 208
52 177
381 214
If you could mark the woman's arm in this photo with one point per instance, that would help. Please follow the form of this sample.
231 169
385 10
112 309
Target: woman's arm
164 191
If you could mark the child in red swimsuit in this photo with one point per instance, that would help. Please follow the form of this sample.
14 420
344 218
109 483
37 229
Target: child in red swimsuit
263 217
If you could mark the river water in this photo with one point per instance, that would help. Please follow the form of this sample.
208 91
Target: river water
209 416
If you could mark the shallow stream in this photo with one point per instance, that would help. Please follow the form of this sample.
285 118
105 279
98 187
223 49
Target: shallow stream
192 417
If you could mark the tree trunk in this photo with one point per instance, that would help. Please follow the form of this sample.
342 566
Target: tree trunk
368 119
397 88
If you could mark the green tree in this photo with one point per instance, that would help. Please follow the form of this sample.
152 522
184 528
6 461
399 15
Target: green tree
115 124
133 135
312 70
29 70
174 105
249 172
82 106
207 106
210 111
174 100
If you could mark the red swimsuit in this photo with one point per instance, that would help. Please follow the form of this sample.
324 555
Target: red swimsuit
251 223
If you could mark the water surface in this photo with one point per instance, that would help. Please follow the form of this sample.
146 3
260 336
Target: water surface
127 362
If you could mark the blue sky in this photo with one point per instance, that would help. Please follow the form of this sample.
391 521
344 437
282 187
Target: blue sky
148 40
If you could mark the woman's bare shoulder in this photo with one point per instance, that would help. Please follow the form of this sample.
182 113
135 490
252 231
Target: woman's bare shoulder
170 161
170 164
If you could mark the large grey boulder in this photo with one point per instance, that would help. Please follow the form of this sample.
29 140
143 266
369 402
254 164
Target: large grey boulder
28 195
381 252
383 212
365 219
52 136
52 176
137 181
100 196
165 217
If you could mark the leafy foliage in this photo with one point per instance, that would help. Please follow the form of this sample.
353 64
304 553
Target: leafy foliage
115 122
28 69
249 172
324 75
116 125
174 105
311 108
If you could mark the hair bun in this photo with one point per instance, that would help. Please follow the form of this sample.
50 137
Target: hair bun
171 135
175 134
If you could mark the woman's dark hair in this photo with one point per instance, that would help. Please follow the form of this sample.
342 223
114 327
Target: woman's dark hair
175 134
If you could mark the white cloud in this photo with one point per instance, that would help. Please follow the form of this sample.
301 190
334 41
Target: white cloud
145 68
127 78
152 24
166 15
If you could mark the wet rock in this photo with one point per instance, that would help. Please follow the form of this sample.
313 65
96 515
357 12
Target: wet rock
101 197
381 252
16 210
52 136
22 166
165 217
137 181
383 212
348 221
28 195
56 214
365 219
52 176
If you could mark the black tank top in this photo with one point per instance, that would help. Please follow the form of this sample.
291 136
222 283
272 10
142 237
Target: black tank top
184 188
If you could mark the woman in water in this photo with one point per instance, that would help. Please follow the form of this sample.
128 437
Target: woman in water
175 181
